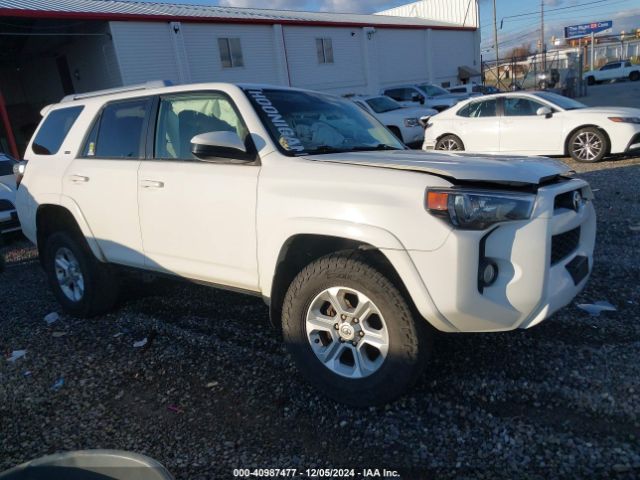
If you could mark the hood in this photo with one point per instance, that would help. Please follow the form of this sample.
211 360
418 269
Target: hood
621 111
458 166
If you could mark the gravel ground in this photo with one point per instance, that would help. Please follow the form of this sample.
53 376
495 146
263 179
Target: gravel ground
214 390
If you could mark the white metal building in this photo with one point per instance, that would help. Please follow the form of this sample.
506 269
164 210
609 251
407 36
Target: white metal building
49 49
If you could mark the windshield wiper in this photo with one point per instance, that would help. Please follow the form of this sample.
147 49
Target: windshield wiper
322 149
380 146
326 149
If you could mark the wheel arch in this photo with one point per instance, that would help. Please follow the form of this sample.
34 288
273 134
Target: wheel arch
55 217
587 125
300 249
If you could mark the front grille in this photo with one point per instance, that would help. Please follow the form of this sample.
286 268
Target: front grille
564 244
6 205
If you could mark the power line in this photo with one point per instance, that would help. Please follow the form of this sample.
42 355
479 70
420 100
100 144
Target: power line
556 9
606 5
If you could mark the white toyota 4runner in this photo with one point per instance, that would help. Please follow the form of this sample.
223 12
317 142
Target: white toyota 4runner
360 247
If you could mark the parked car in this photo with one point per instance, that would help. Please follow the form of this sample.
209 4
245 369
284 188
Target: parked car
404 122
614 71
360 247
430 96
536 123
8 215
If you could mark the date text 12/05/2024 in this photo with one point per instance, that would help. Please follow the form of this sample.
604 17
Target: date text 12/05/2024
364 473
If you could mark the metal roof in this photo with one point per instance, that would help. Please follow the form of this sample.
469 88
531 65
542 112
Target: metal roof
131 10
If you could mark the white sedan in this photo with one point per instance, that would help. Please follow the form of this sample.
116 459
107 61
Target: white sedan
535 123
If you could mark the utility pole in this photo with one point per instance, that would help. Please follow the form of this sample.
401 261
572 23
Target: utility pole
495 42
543 48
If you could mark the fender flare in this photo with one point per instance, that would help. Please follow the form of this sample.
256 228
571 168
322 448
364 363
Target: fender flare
387 243
74 209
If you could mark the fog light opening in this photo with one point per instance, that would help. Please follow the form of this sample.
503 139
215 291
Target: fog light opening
488 273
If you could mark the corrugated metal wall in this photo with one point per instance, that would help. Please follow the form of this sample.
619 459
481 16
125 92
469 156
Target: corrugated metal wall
459 12
365 59
346 74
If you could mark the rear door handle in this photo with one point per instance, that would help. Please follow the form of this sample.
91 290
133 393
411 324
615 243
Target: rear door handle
151 184
78 178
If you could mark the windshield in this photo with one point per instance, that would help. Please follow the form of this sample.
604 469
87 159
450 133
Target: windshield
563 102
303 123
383 104
433 90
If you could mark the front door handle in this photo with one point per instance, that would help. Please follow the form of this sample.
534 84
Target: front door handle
151 184
78 178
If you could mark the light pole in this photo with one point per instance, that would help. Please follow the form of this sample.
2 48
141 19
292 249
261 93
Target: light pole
495 42
543 47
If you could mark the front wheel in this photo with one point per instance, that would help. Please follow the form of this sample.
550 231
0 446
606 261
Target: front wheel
591 81
83 286
351 332
450 142
634 76
588 145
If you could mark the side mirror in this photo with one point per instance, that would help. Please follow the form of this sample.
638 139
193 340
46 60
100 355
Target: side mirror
546 111
424 121
417 98
225 145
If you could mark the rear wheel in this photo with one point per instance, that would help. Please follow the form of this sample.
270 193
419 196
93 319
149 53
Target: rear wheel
83 286
588 145
450 142
351 332
634 76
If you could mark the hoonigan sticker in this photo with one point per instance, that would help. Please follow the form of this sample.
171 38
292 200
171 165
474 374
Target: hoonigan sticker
288 138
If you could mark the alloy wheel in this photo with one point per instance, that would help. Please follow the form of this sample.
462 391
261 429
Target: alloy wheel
587 146
69 274
347 332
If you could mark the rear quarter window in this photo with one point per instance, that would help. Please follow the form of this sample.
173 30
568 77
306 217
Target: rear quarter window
54 130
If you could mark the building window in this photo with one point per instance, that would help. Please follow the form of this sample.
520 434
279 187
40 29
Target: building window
230 52
325 50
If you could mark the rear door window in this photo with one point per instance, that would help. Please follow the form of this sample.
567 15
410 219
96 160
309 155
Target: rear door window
400 94
54 130
119 131
486 108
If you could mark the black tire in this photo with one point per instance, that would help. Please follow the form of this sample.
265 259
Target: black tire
100 282
591 80
450 143
409 336
396 132
592 135
634 76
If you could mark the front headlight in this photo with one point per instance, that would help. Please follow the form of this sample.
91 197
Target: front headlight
478 209
411 122
635 120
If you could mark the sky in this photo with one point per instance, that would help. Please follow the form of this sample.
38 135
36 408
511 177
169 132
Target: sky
524 28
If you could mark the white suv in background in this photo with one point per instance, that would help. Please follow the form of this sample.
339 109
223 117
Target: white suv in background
430 96
360 247
404 122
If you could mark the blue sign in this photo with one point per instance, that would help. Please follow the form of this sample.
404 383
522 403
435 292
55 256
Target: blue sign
586 29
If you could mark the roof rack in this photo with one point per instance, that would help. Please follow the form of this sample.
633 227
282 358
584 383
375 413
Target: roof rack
129 88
